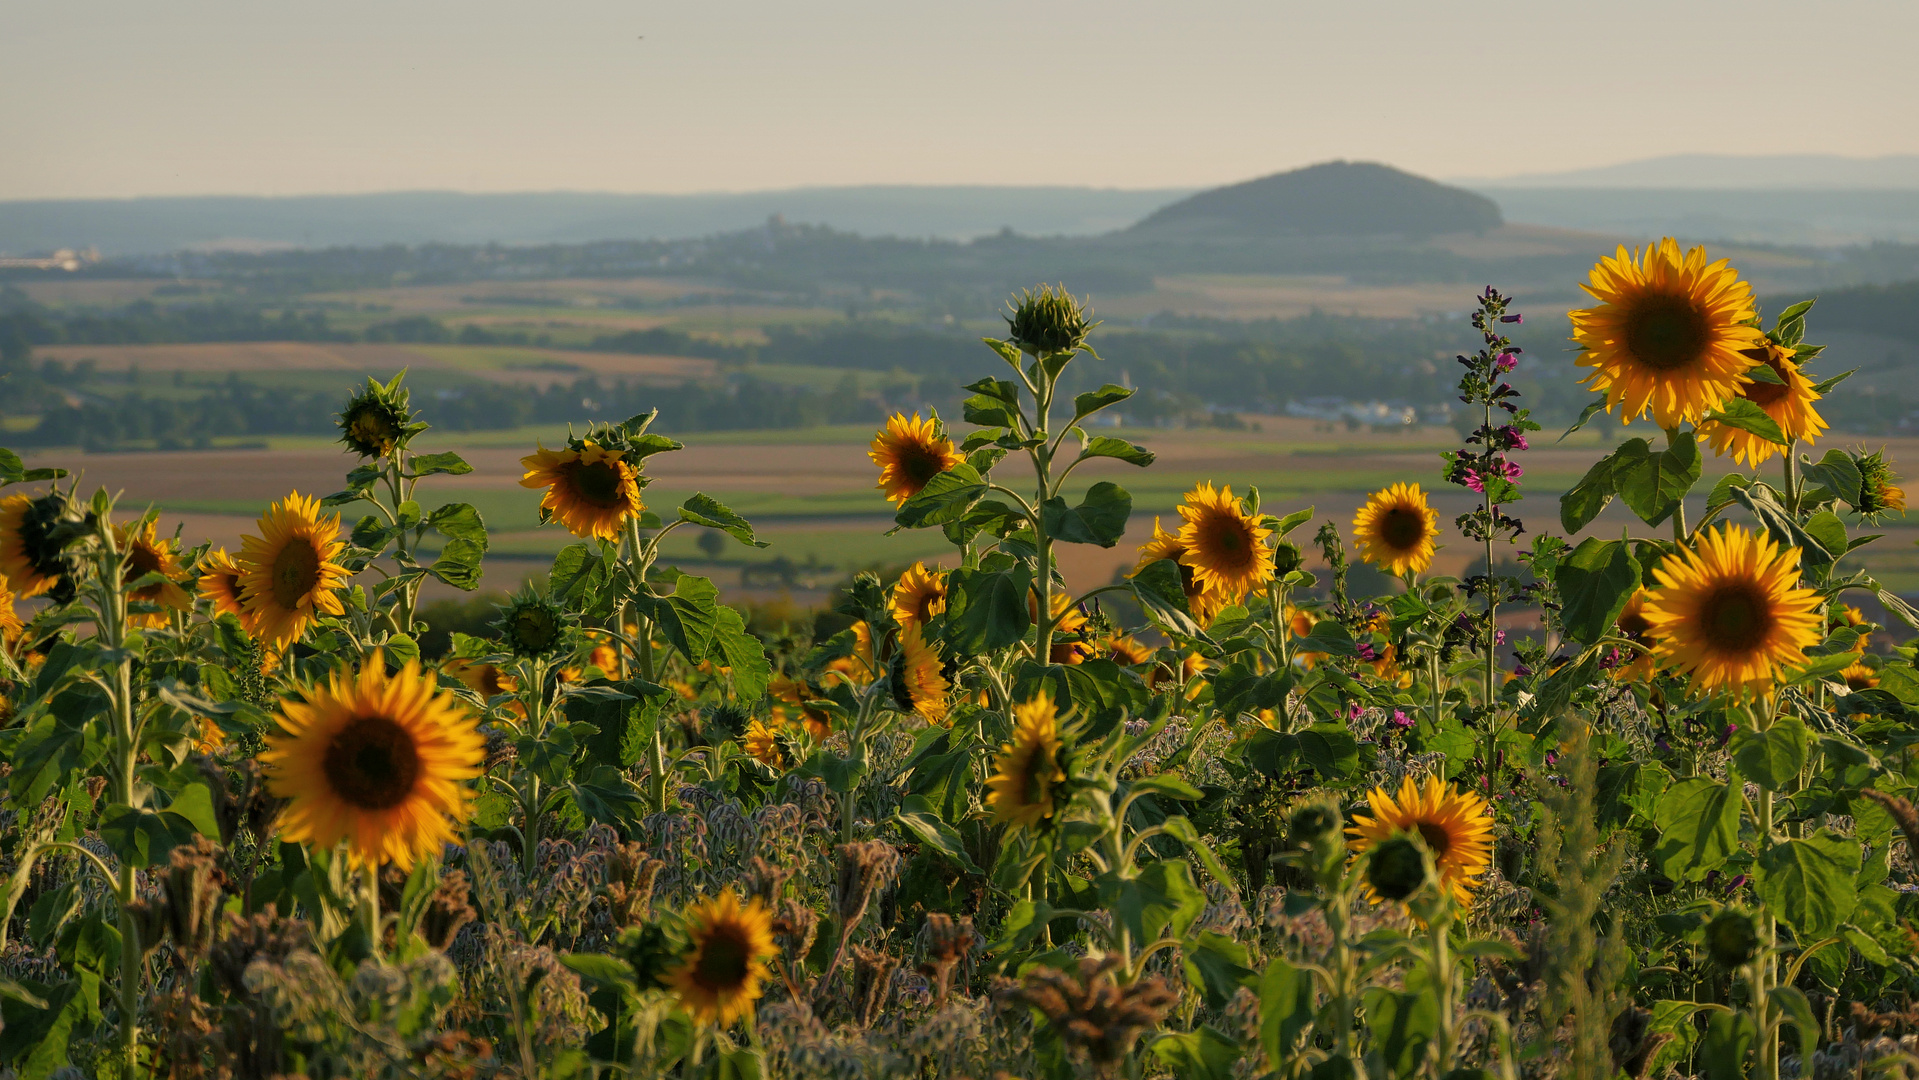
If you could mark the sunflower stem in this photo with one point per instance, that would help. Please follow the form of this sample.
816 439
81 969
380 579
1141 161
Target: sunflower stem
1792 477
370 905
111 571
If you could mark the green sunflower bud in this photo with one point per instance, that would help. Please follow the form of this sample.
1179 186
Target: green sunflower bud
1396 869
1048 322
1287 557
376 419
1731 938
1313 824
532 626
1877 492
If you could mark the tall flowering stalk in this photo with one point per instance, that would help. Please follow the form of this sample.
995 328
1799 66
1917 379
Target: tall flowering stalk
1485 466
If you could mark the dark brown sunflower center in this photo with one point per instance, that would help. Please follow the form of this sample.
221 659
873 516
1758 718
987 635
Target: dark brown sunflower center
1735 617
141 561
1437 839
1402 529
1667 332
1230 538
296 570
1861 681
372 763
1764 393
919 465
1038 783
598 483
724 960
1633 624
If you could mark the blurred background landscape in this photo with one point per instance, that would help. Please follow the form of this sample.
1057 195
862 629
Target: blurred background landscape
1291 327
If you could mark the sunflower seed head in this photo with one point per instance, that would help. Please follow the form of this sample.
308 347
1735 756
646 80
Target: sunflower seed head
1397 868
1731 938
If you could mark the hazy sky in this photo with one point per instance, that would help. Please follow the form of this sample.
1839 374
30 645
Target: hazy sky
134 97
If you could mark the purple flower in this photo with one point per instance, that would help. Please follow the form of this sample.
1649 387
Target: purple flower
1521 671
1610 660
1499 637
1367 652
1736 883
1512 318
1506 362
1401 720
1514 438
1471 478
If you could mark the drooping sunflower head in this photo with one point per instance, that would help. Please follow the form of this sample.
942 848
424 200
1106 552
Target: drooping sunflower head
857 667
1396 528
720 977
590 489
219 585
1029 771
817 719
1048 321
147 553
1455 826
919 595
1860 676
1225 545
377 418
762 743
378 761
1850 618
34 535
531 625
919 685
1667 333
10 624
1166 545
288 576
1729 612
1788 401
910 453
1127 650
1878 495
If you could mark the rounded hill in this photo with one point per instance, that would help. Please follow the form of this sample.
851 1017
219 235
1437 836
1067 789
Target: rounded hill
1336 198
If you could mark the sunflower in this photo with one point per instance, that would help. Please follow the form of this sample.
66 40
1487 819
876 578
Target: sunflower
918 684
1730 613
1028 771
1396 528
1300 623
818 722
29 568
1456 826
1633 625
720 978
858 668
1127 650
288 573
591 491
910 453
147 554
1853 619
920 595
378 761
1385 658
1069 629
1668 333
206 736
1225 546
762 743
1789 403
10 625
1877 492
1859 676
486 680
1164 545
219 585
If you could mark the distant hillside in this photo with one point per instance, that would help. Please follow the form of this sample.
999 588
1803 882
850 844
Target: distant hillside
155 225
1885 310
1337 198
1729 171
1831 218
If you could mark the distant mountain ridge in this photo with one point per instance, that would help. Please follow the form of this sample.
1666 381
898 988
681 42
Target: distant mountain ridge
1728 171
1335 198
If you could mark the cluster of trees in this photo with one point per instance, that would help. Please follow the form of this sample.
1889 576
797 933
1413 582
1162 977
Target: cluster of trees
239 409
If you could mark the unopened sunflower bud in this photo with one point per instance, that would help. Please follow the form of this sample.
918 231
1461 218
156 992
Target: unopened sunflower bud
531 625
1731 938
1287 557
1396 869
375 420
1313 824
1047 322
1877 492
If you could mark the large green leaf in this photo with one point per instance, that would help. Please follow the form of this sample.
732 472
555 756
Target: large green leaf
705 510
1810 883
741 652
1749 417
986 608
917 815
1286 1008
1403 1024
1204 1054
1160 899
1595 582
945 498
1698 821
1773 757
1581 504
1652 485
1100 518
